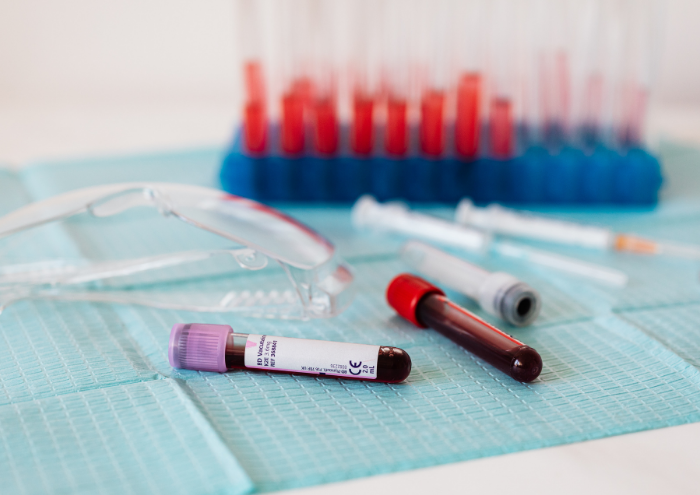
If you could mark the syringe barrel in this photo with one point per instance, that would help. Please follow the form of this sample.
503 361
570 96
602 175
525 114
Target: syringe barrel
395 217
498 293
444 268
501 220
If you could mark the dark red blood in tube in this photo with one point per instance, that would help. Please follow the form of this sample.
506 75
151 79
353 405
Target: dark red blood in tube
426 305
326 126
207 347
292 123
396 143
393 363
467 122
363 125
431 124
255 127
501 128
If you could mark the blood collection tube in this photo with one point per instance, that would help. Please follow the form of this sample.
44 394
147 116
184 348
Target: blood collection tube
432 137
293 73
501 50
250 21
501 128
397 45
469 51
326 126
363 124
255 118
292 122
324 58
365 18
468 119
498 293
425 305
205 347
396 143
639 64
436 59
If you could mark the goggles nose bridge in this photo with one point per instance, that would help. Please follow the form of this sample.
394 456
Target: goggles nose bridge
249 259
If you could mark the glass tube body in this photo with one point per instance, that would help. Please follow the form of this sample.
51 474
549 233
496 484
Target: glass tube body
393 364
509 355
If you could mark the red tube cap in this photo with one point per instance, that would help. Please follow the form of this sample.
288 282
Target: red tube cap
405 292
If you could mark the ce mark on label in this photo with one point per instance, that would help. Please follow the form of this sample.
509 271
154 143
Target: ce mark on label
356 366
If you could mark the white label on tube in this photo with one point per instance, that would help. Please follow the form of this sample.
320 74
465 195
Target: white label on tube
318 357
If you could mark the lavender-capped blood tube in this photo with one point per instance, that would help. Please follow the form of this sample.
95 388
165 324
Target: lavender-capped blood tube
205 347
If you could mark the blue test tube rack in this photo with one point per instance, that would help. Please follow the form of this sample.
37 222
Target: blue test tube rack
535 176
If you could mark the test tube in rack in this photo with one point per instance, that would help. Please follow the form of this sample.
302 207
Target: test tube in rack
434 93
324 48
501 37
396 75
255 121
296 84
366 44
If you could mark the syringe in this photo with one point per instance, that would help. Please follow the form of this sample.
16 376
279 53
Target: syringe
498 293
397 217
499 220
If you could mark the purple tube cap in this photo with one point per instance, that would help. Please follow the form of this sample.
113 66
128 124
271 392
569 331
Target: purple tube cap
199 346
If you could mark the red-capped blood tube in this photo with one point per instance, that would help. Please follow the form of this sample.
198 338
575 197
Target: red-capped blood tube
204 347
468 121
250 21
501 128
425 305
326 126
292 122
254 116
363 125
255 126
431 123
396 142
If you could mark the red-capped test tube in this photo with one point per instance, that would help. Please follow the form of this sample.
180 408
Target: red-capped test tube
425 305
250 20
398 38
204 347
501 50
437 77
469 52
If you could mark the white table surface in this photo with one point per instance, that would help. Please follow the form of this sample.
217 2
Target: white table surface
651 462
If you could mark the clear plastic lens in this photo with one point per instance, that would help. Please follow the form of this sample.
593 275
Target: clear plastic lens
254 254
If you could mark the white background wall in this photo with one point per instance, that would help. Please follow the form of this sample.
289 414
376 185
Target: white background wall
159 73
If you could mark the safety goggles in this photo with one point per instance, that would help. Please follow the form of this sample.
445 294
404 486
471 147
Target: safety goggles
297 273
